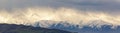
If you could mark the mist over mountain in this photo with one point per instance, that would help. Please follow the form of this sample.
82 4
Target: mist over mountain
63 18
63 25
57 28
87 16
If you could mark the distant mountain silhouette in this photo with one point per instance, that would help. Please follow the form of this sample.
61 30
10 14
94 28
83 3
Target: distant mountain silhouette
63 25
88 29
12 28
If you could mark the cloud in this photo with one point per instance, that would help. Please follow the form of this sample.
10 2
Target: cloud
57 3
108 6
72 16
75 12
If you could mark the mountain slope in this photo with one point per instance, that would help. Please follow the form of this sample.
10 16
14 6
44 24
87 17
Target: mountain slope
12 28
97 26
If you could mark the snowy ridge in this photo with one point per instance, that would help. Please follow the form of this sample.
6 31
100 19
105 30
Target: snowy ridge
64 25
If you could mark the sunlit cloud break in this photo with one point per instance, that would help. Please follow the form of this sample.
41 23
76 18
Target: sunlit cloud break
47 16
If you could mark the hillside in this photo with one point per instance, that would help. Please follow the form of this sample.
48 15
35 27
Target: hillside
12 28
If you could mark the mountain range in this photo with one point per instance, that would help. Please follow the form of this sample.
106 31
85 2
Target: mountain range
13 28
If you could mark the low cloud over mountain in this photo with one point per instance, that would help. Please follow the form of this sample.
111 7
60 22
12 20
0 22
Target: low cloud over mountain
49 13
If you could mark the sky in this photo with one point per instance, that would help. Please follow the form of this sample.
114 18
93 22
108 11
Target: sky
75 12
109 6
103 5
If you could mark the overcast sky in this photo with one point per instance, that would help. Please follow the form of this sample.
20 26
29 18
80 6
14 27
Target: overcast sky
109 6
